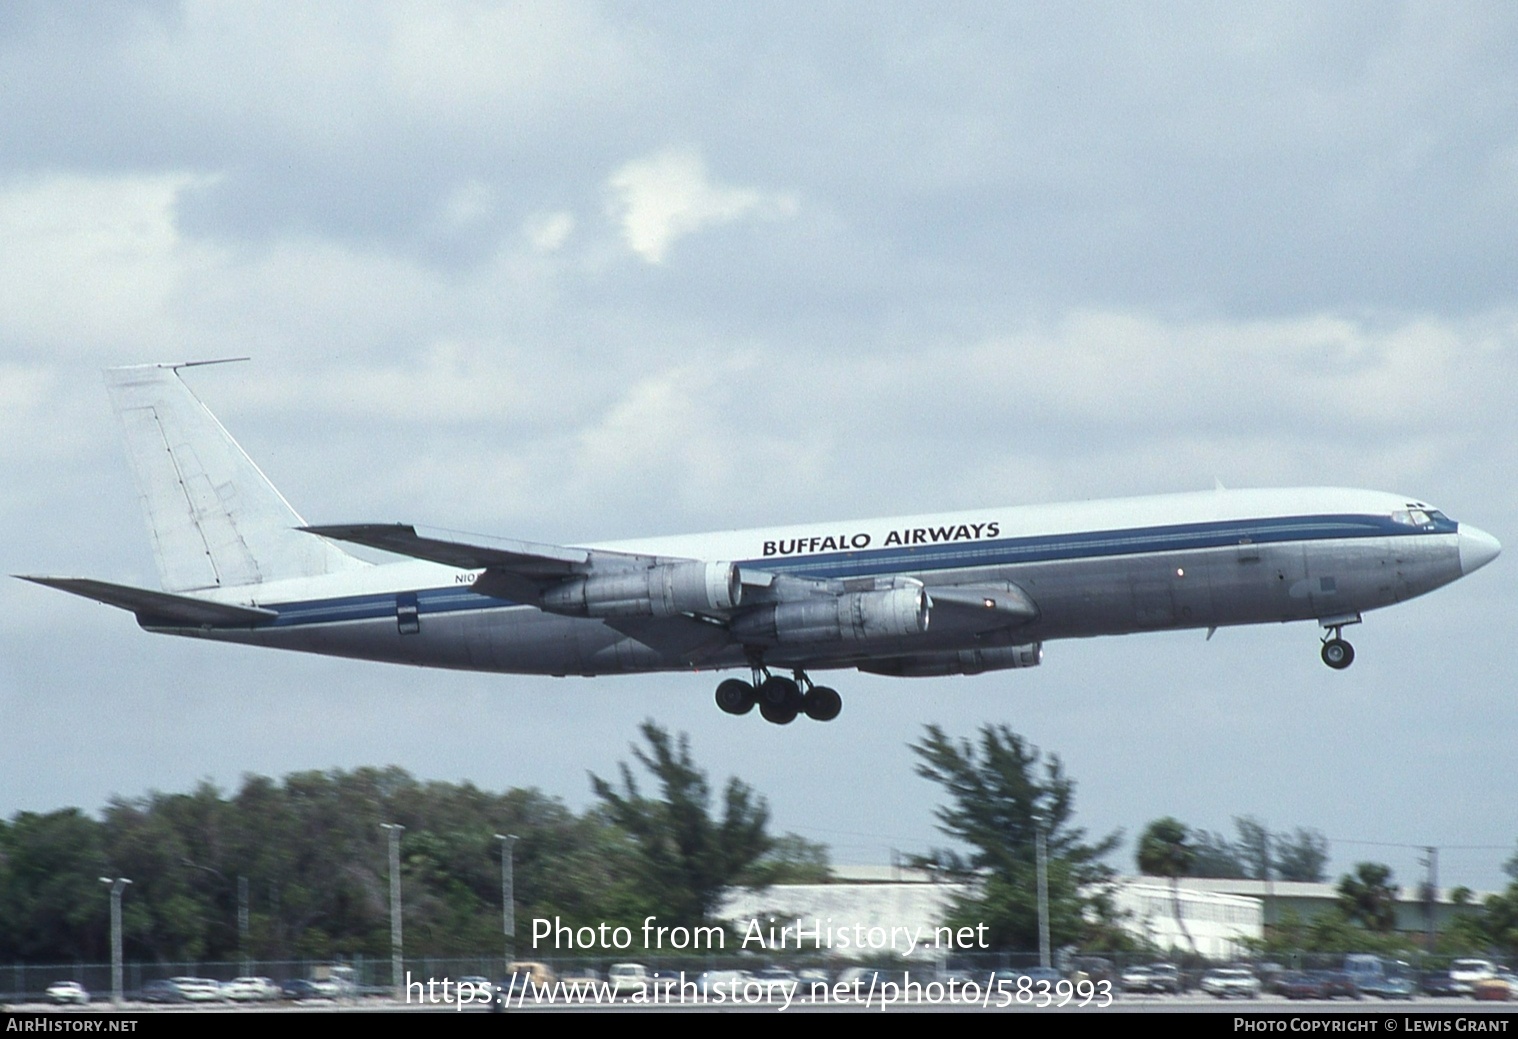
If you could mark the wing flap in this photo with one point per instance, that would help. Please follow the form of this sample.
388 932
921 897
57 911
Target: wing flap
156 607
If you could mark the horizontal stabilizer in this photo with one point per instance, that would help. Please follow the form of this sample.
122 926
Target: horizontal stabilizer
160 607
467 551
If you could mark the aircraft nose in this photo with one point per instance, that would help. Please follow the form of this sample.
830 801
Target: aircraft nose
1477 548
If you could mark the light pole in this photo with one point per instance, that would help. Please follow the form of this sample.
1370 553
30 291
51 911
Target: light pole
242 909
242 923
118 885
508 891
396 980
1043 895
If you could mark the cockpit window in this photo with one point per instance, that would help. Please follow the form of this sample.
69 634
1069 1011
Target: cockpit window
1419 517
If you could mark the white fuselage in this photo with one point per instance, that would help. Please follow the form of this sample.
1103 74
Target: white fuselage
1197 560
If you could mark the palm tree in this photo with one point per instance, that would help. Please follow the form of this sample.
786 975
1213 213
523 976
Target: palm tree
1164 851
1369 897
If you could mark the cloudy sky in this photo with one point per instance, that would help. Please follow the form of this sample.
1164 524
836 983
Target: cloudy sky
574 272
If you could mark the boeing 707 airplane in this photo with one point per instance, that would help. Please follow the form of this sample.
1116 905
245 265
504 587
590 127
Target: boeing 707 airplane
950 594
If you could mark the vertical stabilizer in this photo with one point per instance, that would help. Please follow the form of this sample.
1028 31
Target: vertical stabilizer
215 519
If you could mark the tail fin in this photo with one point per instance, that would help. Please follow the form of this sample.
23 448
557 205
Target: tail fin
215 519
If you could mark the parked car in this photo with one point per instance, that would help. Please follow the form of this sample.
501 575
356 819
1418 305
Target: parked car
1153 977
1040 974
1464 974
1499 988
1339 983
246 990
627 978
583 976
301 989
1439 983
540 974
160 990
724 982
66 992
1298 984
1388 979
1228 982
199 990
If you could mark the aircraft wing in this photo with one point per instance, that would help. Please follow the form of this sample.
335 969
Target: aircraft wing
466 551
981 607
156 607
679 638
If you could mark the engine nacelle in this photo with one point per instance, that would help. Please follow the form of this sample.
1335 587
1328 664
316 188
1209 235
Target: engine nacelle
959 662
852 617
666 590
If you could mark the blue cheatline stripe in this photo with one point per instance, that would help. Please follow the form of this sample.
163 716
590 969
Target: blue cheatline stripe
1042 548
1180 537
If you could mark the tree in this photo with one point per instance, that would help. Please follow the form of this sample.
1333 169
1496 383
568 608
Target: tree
1164 851
1214 856
1301 856
685 857
1368 897
1002 792
792 860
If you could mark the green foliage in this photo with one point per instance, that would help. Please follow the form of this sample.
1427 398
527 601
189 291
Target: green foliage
50 891
1499 922
1299 855
791 860
1164 849
1368 897
1331 933
1001 792
1214 856
685 857
316 868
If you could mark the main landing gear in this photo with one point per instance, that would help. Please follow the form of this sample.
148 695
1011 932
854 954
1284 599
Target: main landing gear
1337 653
780 699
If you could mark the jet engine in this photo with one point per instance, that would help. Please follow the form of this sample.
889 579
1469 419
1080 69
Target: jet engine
666 590
959 662
852 617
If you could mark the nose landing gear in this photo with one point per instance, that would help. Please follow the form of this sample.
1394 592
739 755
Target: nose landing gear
1337 653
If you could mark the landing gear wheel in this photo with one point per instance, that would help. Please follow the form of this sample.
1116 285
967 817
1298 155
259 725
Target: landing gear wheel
777 714
735 696
822 704
780 692
1338 654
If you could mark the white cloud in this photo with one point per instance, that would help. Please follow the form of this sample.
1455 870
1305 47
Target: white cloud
662 198
93 258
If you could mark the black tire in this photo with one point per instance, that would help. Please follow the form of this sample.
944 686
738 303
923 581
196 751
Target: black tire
735 696
1338 654
777 714
780 692
822 704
